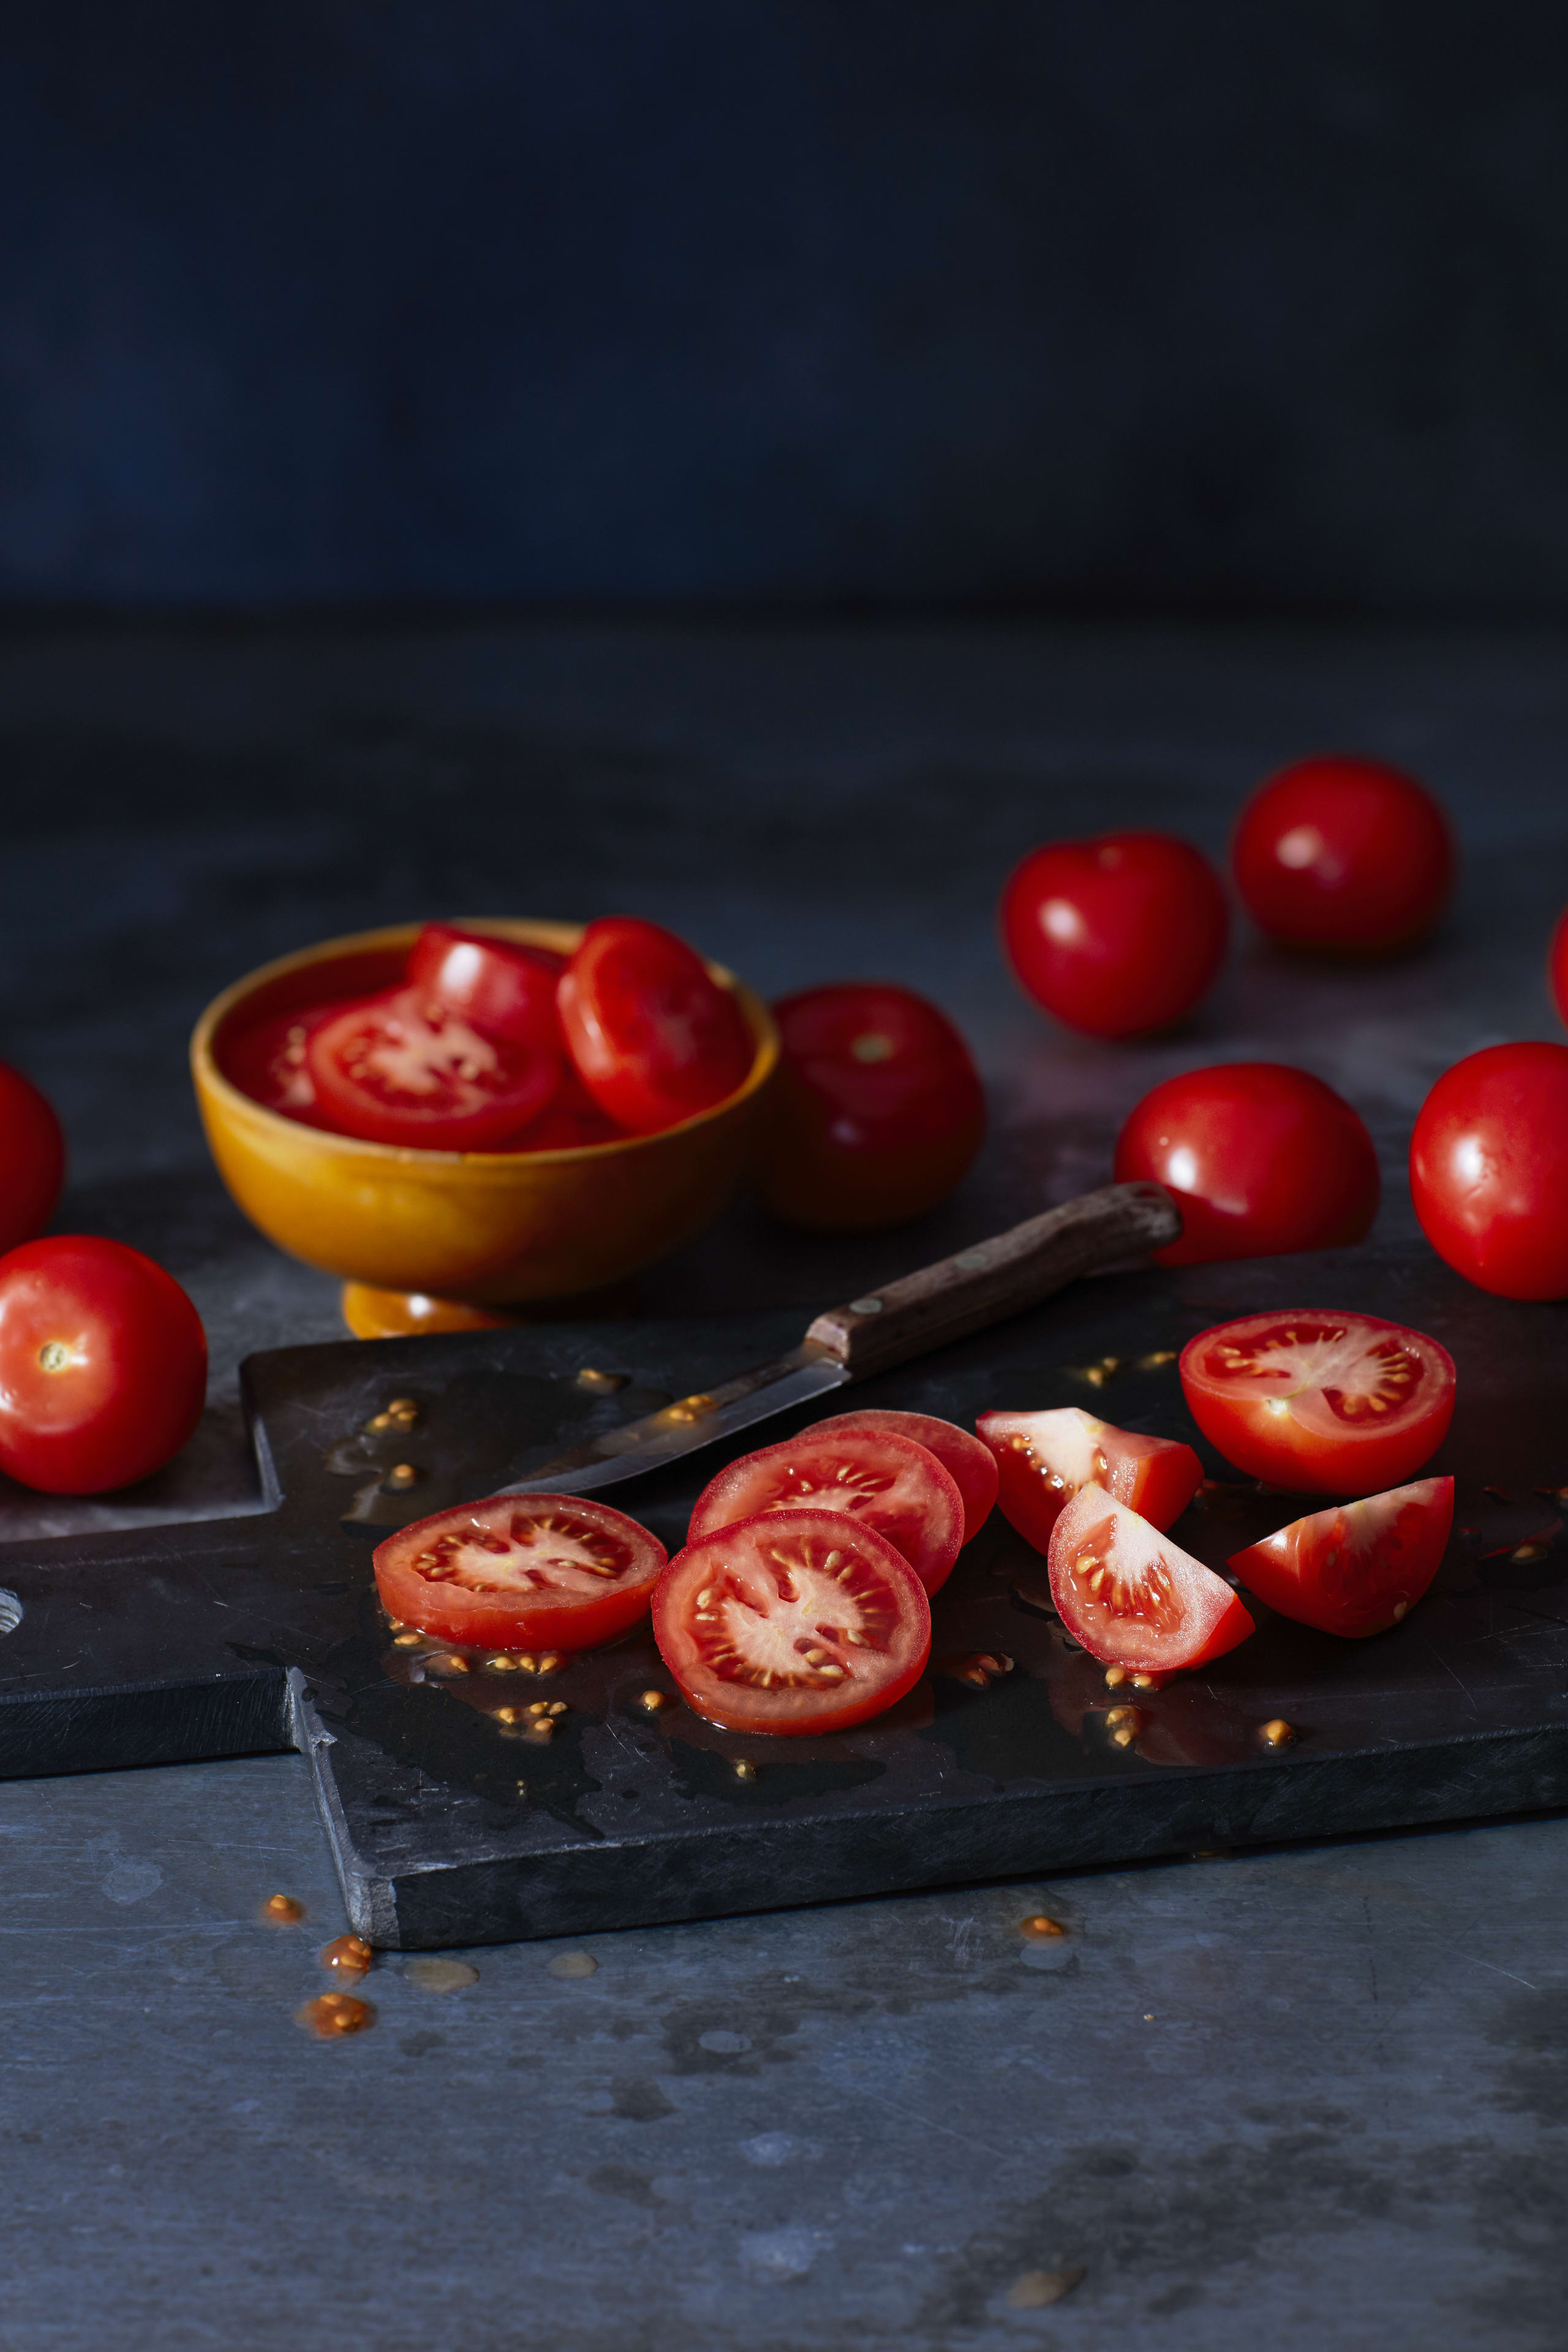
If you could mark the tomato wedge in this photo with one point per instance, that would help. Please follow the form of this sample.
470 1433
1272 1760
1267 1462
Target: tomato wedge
878 1479
1132 1596
654 1036
804 1621
1356 1568
1045 1458
970 1466
402 1068
1324 1403
505 990
557 1571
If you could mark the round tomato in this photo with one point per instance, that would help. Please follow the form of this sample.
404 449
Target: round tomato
1323 1403
1262 1159
876 1112
103 1365
505 990
1488 1169
873 1476
654 1036
1343 853
520 1571
970 1464
400 1068
1132 1596
1357 1567
1116 936
32 1158
801 1622
1043 1459
1557 967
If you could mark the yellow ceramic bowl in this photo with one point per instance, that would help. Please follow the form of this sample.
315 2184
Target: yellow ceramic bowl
488 1228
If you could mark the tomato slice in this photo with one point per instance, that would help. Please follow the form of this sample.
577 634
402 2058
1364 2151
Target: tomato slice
570 1119
504 990
1132 1596
654 1036
878 1479
402 1068
970 1466
556 1571
267 1062
1328 1403
1356 1568
1045 1458
803 1620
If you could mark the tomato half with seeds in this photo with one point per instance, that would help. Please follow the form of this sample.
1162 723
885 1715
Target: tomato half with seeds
505 990
1357 1567
1326 1403
875 1477
654 1037
1043 1459
1132 1596
800 1621
520 1571
402 1068
971 1465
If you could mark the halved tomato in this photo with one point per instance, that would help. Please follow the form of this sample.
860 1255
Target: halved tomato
1327 1404
505 990
267 1062
557 1571
1132 1596
873 1476
1045 1458
654 1036
800 1621
971 1465
402 1068
1357 1567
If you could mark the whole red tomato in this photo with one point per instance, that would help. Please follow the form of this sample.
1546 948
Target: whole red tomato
1262 1159
32 1158
1343 853
103 1365
1116 936
1488 1169
1557 967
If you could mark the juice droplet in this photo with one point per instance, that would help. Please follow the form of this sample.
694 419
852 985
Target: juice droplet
332 2014
285 1909
347 1956
574 1964
441 1976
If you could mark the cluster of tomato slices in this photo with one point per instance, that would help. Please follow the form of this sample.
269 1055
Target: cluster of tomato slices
801 1602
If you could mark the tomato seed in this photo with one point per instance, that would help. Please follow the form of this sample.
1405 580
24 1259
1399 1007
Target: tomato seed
1277 1733
332 2014
284 1908
347 1956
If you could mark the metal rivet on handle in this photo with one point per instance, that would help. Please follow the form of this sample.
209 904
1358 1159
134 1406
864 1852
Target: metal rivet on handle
865 1307
972 1260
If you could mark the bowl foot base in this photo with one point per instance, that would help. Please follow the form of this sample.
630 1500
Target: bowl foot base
373 1313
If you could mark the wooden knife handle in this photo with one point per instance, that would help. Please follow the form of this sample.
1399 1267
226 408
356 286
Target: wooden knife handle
996 1278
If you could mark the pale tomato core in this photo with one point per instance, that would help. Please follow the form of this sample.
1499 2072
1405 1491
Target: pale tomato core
792 1618
562 1553
1359 1379
1140 1589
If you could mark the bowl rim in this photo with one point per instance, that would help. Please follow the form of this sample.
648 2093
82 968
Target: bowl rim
527 930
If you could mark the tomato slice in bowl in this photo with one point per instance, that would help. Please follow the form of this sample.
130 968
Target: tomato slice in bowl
653 1035
1325 1404
1044 1458
877 1478
402 1068
1356 1568
1132 1596
505 990
971 1465
267 1061
556 1572
799 1622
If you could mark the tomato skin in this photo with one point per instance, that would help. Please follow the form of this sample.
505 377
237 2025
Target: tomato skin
876 1111
569 1120
970 1464
654 1037
753 1560
510 1615
1128 1622
1355 1569
1343 853
1286 1427
1488 1169
131 1388
1557 967
1117 936
892 1485
464 1091
32 1158
1261 1160
505 990
1043 1459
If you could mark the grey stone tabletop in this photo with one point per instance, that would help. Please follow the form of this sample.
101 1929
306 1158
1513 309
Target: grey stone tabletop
1303 2097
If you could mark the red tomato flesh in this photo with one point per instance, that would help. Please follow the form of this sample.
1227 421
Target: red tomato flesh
873 1476
1488 1169
32 1158
971 1465
1116 936
268 1061
803 1620
400 1068
654 1037
1357 1567
1132 1596
570 1121
1325 1404
505 990
1343 853
520 1571
1044 1458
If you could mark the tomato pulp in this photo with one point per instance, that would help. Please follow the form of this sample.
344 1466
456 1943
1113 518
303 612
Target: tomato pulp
1343 853
504 990
1328 1403
803 1620
971 1465
557 1571
1358 1568
1132 1596
1488 1169
1044 1458
402 1068
1116 936
654 1037
32 1157
1261 1158
874 1476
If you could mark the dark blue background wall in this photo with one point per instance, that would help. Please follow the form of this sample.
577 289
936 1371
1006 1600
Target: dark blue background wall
1129 303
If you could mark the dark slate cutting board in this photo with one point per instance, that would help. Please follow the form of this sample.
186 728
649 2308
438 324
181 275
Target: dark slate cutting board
239 1636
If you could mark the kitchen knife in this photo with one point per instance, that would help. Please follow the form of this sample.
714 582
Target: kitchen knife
981 1285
